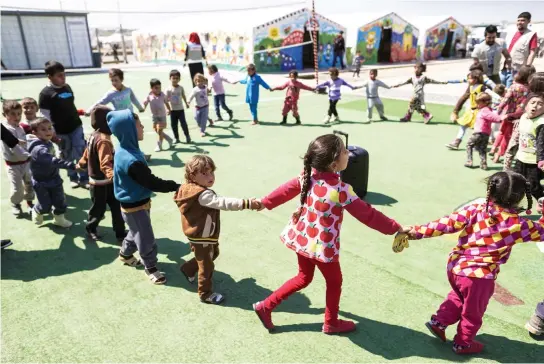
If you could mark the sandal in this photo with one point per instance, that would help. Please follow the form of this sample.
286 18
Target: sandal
189 279
468 164
131 262
483 166
157 277
213 299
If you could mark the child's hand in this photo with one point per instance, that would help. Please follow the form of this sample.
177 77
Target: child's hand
400 242
87 113
453 117
187 105
168 112
271 90
256 204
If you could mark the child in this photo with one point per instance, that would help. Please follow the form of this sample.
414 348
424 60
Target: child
133 184
530 155
175 95
535 325
17 160
219 92
475 88
291 99
486 80
46 180
417 103
253 81
202 108
357 63
488 232
482 129
372 97
98 159
511 109
121 97
30 109
56 103
334 85
498 93
323 198
200 208
157 101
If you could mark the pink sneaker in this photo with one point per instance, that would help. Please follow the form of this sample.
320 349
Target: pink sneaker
341 327
427 118
264 315
436 331
406 117
474 348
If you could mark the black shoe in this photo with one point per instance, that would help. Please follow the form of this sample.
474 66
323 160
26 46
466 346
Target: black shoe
284 121
383 118
231 114
298 120
188 140
121 237
177 141
93 235
5 243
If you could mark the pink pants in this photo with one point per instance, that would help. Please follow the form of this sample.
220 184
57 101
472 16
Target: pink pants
503 138
306 268
289 104
466 303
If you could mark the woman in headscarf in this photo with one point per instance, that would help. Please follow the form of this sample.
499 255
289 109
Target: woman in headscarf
195 52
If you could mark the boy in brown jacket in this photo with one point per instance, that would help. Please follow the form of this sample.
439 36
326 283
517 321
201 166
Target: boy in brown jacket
200 207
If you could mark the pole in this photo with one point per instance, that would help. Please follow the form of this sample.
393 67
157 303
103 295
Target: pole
121 30
314 35
97 41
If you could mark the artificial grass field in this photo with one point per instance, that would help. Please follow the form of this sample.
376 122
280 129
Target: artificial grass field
67 299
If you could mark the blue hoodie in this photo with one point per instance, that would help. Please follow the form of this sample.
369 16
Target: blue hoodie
123 126
252 90
43 163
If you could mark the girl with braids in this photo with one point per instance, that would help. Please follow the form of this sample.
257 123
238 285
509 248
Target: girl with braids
313 231
488 232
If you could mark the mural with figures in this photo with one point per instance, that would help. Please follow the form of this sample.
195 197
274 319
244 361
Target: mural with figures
288 31
388 39
221 47
440 40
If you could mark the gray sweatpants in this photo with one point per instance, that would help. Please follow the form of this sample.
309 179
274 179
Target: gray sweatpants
140 237
20 181
375 102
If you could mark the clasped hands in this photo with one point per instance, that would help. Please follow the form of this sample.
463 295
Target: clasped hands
256 204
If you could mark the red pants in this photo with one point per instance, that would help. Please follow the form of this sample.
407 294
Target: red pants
466 303
306 268
503 138
289 104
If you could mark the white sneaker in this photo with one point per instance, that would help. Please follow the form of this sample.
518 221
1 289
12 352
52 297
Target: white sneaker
327 119
158 147
16 209
336 119
61 221
168 140
37 218
74 184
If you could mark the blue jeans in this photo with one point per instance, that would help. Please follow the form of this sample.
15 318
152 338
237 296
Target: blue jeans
338 55
253 110
73 146
507 77
49 195
219 100
201 117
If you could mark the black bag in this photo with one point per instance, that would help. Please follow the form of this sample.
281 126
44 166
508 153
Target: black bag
356 174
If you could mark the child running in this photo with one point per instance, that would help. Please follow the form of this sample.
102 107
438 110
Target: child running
133 185
357 63
313 231
372 96
482 129
202 106
219 92
157 102
417 103
30 110
291 99
253 81
176 97
98 160
488 233
200 209
121 97
17 160
334 85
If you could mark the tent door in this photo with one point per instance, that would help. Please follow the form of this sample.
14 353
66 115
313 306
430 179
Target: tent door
446 51
384 50
308 50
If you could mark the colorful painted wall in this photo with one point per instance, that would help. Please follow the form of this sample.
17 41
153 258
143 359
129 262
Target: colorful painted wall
403 39
221 47
437 36
287 32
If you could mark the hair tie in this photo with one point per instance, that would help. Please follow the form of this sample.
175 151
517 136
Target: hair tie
529 212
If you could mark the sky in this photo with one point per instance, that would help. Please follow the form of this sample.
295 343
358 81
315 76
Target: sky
481 11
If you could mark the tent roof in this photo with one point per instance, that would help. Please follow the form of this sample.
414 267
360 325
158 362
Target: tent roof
272 20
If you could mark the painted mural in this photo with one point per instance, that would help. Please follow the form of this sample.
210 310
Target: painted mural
287 32
440 39
388 39
221 47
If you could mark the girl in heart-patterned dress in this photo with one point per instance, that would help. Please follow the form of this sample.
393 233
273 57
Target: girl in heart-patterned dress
314 229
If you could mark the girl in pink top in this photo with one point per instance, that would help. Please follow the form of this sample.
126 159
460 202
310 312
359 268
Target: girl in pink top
482 129
293 87
313 232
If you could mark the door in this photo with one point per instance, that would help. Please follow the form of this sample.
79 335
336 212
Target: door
446 51
78 40
308 49
384 50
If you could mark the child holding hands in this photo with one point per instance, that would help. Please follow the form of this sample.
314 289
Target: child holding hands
158 103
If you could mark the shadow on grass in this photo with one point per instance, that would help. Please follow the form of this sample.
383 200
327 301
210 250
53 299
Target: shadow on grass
376 198
68 258
290 125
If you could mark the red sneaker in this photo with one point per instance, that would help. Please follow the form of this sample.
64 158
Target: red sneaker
474 348
341 327
436 331
264 315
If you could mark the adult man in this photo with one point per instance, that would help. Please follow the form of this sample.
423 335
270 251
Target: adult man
488 54
339 48
523 45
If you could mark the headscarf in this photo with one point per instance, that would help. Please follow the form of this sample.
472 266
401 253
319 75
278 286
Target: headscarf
98 119
194 38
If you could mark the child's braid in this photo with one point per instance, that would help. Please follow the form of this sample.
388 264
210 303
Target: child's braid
529 197
490 188
306 180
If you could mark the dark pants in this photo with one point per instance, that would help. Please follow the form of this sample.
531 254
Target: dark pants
140 237
103 196
332 107
195 68
496 78
49 195
73 146
202 263
219 100
338 54
179 116
479 142
533 174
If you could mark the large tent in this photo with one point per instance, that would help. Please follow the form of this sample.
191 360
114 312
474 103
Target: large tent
275 42
439 38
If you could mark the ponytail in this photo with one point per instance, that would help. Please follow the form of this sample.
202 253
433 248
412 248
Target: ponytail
490 190
305 188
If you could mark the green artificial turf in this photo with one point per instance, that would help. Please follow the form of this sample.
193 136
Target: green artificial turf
67 299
